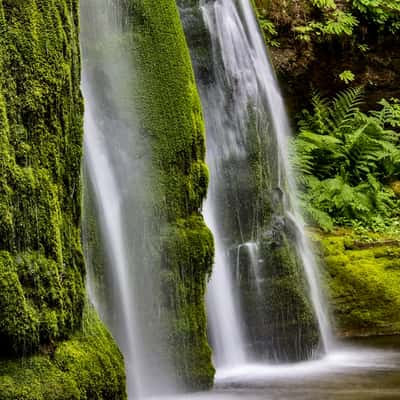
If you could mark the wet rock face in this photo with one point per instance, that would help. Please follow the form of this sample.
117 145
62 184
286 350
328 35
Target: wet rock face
277 317
199 38
277 313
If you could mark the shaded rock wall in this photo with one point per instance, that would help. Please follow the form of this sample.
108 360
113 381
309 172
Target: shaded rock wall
370 52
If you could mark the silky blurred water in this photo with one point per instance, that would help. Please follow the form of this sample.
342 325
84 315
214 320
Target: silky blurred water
363 370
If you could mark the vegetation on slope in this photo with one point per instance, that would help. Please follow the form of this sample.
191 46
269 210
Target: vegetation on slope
327 44
349 163
347 144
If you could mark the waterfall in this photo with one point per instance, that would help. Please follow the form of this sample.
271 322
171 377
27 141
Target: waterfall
118 199
251 207
257 299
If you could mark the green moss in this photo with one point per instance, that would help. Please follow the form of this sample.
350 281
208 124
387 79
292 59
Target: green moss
156 97
169 109
187 255
87 366
362 276
281 322
41 263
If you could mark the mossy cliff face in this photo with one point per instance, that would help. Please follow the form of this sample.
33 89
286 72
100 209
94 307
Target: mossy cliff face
41 264
41 134
169 109
151 108
362 278
247 202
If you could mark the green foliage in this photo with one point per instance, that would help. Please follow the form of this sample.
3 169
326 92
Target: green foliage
323 3
268 28
363 47
346 159
384 13
347 76
336 23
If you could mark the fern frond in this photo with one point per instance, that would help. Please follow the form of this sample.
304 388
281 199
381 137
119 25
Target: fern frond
344 109
317 121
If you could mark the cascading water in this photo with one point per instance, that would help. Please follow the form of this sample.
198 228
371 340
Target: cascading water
250 206
118 195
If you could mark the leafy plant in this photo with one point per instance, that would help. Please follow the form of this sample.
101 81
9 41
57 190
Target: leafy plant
324 3
268 29
384 13
347 76
363 47
336 23
345 160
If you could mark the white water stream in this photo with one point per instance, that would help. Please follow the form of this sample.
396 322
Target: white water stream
245 79
116 157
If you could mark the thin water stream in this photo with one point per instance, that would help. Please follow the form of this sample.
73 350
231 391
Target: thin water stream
118 199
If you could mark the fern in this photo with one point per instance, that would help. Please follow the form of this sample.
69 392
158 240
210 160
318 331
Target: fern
389 115
344 158
336 23
341 23
345 108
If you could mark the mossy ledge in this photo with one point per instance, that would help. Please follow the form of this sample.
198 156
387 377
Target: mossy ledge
362 278
87 366
42 292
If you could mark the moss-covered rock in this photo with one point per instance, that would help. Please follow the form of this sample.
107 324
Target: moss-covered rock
169 109
86 366
41 264
362 278
42 269
247 197
155 99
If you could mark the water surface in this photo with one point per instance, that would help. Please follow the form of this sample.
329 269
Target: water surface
366 369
